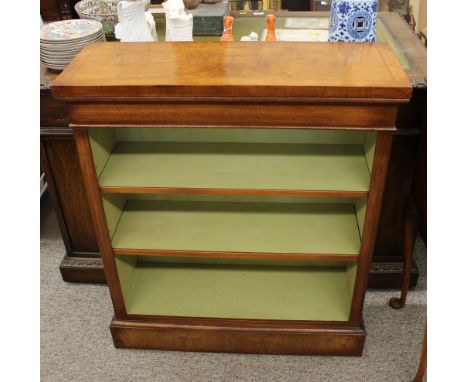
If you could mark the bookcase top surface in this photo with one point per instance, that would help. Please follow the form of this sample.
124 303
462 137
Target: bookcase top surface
235 69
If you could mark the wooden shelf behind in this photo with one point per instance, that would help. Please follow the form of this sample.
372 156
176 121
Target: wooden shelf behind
237 168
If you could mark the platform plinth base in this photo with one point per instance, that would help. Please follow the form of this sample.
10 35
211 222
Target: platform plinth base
82 270
238 336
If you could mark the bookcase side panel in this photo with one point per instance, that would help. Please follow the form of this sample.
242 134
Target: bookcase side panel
99 219
378 178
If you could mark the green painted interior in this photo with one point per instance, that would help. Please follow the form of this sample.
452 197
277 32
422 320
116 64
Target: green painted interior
126 266
244 25
315 228
351 270
292 293
102 142
237 165
240 158
234 158
113 207
360 206
369 148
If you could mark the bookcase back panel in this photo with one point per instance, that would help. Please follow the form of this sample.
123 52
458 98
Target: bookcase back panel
260 159
195 223
249 292
102 143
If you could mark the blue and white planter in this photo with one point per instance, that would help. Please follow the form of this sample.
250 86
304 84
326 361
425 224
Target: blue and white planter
353 20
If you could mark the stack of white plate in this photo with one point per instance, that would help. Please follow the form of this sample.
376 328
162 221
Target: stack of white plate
61 41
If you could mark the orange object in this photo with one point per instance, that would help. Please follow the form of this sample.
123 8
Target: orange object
271 36
227 33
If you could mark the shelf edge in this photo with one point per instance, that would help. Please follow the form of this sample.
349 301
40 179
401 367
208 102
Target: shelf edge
231 191
235 255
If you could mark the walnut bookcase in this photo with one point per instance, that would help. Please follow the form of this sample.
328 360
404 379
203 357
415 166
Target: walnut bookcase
235 213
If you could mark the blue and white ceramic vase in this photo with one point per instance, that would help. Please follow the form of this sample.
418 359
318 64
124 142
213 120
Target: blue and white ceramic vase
353 20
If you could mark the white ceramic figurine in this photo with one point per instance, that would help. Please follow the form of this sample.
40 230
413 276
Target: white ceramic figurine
134 23
179 25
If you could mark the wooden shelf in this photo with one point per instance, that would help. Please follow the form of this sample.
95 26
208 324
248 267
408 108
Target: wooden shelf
283 293
234 229
237 168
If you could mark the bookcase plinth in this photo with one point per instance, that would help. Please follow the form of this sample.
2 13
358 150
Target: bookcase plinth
238 336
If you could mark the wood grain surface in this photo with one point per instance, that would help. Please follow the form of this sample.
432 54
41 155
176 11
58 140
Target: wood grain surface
201 69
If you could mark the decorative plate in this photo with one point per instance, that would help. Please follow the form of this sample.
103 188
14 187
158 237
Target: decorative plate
70 29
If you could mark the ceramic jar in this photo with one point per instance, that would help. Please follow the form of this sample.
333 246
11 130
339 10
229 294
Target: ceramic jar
353 20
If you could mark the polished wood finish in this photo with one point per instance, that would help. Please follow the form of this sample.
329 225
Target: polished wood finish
106 70
54 161
138 99
235 255
236 113
245 97
232 191
387 268
53 112
97 214
82 262
374 202
409 237
238 336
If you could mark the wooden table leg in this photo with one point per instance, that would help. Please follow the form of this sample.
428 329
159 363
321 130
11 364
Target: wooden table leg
409 237
422 361
410 229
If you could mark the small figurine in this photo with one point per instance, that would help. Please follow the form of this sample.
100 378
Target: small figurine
134 24
227 33
179 25
251 37
271 36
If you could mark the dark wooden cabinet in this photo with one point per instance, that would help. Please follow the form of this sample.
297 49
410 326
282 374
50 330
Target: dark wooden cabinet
53 10
387 264
407 162
82 262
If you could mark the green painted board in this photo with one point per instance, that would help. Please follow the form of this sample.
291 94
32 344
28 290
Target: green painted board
113 206
237 165
320 294
239 227
102 142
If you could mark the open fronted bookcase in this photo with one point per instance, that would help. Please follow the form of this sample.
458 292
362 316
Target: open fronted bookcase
235 213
